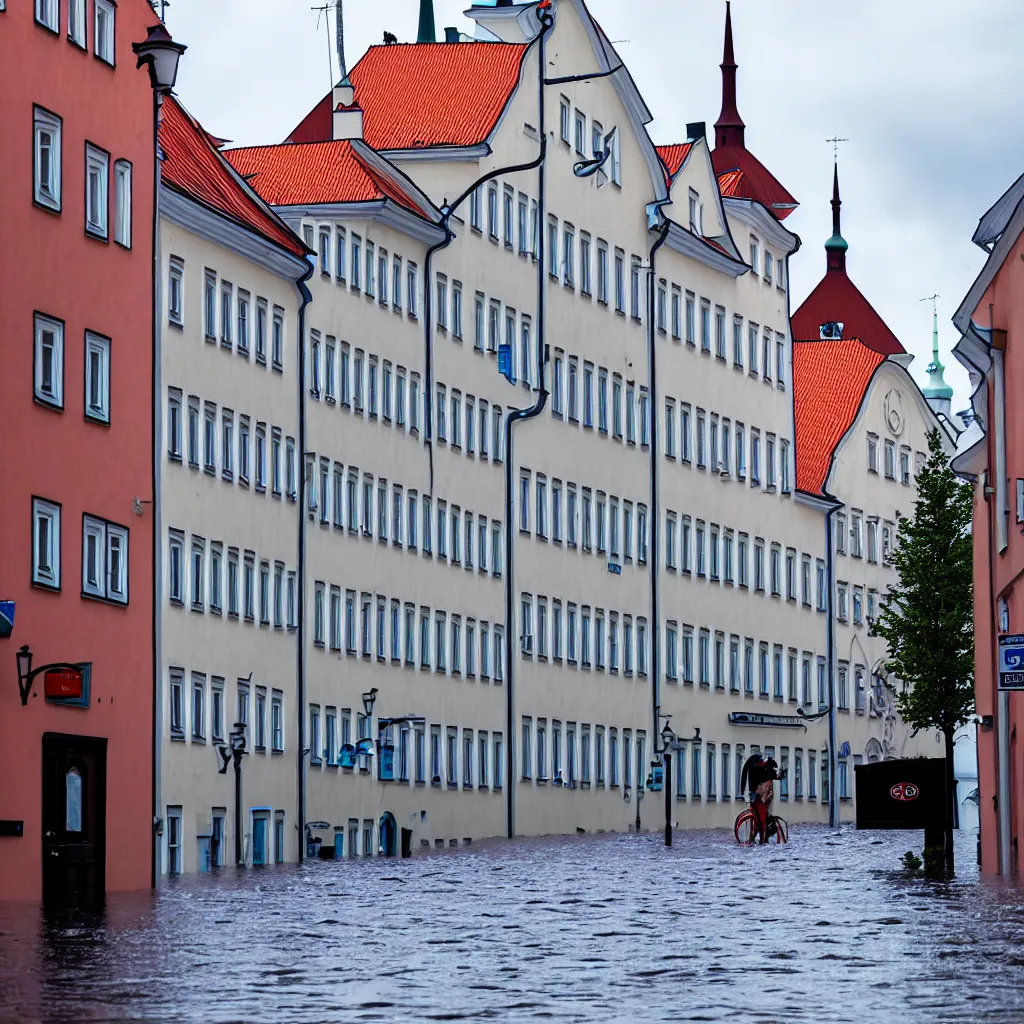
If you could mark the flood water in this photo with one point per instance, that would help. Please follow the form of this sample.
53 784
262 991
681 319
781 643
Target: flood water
588 928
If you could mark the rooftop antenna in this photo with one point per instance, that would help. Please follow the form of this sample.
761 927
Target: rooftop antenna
322 10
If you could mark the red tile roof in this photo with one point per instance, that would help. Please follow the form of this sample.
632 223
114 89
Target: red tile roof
754 180
415 95
837 298
673 157
193 166
830 379
300 174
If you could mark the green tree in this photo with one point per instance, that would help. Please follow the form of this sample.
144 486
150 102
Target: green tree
927 616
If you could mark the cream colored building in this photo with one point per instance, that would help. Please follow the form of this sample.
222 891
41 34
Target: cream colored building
228 489
551 481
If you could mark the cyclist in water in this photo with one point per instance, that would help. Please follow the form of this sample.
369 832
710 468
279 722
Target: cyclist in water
761 773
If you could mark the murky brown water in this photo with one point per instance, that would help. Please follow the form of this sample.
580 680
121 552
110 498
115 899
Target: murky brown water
594 928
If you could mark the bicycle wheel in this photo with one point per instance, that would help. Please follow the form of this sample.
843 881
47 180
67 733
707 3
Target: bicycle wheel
745 828
781 834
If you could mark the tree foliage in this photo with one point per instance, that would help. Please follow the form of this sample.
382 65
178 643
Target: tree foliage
926 617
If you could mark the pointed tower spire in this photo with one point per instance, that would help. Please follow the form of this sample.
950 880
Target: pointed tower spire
426 33
937 392
729 126
835 247
339 21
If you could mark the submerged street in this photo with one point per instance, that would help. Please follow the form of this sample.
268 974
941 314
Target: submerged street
594 928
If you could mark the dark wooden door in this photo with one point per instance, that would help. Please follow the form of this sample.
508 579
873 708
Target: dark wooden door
74 820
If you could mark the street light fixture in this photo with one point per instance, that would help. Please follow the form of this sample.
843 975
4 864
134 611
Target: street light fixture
160 53
235 750
369 699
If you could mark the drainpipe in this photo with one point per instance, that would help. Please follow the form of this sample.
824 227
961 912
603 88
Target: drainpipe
830 667
518 416
158 420
654 519
300 582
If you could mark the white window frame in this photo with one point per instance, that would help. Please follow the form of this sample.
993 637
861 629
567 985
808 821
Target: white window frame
97 166
110 581
46 565
97 406
103 45
48 14
47 193
123 203
55 395
76 22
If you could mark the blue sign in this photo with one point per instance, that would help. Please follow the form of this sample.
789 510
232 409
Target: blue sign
844 750
505 363
1011 661
656 780
614 568
6 619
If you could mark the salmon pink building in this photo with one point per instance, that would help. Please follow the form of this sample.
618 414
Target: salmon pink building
991 452
76 536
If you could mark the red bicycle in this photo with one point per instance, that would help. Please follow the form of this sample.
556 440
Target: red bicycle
777 830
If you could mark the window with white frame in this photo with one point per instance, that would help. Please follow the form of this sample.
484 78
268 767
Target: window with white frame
47 13
103 31
46 177
97 377
97 190
45 543
123 203
76 22
104 559
49 361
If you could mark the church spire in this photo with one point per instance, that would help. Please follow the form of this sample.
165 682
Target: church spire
835 247
426 32
729 126
938 393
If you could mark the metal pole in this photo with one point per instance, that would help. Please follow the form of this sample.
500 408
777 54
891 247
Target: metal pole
668 798
239 861
1003 773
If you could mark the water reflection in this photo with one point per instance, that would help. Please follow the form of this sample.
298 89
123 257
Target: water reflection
609 928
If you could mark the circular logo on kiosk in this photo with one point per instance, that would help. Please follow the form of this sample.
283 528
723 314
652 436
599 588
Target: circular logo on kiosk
905 791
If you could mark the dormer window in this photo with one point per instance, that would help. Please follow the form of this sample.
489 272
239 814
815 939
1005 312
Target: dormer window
694 212
563 121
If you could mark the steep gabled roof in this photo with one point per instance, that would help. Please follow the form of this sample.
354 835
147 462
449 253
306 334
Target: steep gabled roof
193 166
308 174
830 380
742 176
673 157
418 95
837 298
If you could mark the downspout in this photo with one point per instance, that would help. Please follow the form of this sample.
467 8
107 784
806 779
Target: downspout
830 668
652 389
157 439
521 415
300 583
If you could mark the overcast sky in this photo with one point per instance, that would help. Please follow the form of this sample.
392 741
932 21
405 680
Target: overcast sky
925 90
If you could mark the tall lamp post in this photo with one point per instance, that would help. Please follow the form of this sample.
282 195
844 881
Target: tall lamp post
228 753
667 746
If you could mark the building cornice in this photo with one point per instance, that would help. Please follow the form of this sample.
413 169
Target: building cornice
383 211
756 216
192 215
440 154
686 243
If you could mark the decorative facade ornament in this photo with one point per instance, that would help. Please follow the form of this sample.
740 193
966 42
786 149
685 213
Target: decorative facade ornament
894 417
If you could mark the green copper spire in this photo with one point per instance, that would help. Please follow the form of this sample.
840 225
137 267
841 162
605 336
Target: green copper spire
427 33
937 386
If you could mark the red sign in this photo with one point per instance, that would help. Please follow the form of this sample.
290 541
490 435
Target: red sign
63 682
904 791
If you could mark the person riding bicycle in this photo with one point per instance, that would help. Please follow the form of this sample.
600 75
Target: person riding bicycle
761 772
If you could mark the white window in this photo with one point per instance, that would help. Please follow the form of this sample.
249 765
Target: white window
105 560
76 22
97 171
123 203
175 291
103 32
46 14
97 377
45 543
49 361
47 154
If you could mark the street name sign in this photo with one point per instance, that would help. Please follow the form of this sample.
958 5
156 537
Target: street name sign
1011 661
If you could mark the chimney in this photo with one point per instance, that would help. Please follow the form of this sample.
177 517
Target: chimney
695 130
451 34
347 119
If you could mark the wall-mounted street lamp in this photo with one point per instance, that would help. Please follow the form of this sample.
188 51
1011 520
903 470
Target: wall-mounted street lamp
63 679
369 699
234 751
160 53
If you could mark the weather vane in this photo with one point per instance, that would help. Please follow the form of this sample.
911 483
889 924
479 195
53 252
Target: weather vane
931 299
835 145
